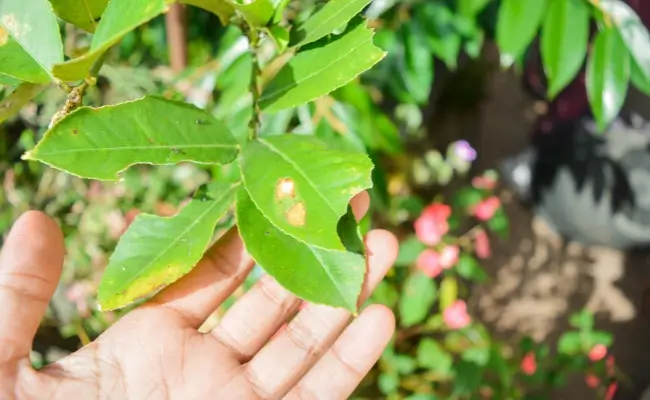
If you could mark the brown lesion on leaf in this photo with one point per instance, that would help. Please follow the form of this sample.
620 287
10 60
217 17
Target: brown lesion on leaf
75 131
296 214
285 189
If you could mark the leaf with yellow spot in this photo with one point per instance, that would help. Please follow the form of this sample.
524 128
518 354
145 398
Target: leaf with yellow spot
294 216
157 251
315 274
322 183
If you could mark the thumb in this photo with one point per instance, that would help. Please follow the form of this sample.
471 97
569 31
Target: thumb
30 267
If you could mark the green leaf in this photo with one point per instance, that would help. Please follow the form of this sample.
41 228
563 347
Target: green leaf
279 6
82 13
418 294
633 32
409 250
469 268
468 378
499 223
17 63
637 77
569 343
583 320
302 187
448 292
388 382
479 355
280 36
518 22
313 273
471 7
432 356
119 18
385 294
414 65
257 13
221 8
99 143
156 251
333 15
404 365
565 34
23 94
35 30
608 74
316 71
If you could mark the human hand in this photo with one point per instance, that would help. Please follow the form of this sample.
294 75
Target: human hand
157 352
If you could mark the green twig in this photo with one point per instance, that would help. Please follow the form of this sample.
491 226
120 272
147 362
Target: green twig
254 42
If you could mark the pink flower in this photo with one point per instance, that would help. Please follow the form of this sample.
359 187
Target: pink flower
429 262
482 245
611 391
486 208
611 365
528 364
597 353
432 224
483 182
455 316
449 256
592 381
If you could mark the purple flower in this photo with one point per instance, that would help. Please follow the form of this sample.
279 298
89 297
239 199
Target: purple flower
464 151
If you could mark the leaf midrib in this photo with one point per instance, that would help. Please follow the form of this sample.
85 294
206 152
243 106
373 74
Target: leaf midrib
170 147
286 88
178 238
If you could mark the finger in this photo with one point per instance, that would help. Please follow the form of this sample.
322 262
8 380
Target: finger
220 272
280 365
30 267
254 318
338 373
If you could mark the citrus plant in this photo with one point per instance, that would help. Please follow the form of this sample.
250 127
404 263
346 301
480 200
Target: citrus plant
293 193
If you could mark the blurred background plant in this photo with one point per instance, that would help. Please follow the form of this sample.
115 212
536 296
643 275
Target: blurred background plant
426 189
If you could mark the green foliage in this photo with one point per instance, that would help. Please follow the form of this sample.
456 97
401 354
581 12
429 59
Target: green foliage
564 42
35 32
101 143
318 70
119 18
608 73
82 13
294 107
148 257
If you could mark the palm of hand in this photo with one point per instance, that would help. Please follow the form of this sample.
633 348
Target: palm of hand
157 351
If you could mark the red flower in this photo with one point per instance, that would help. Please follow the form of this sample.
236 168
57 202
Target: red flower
429 262
455 316
486 208
597 353
592 381
611 391
528 364
432 224
482 245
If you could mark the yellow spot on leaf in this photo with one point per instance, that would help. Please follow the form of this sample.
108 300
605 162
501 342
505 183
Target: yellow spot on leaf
4 37
285 188
296 214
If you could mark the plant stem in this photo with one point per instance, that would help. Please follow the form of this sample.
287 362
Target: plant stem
254 42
